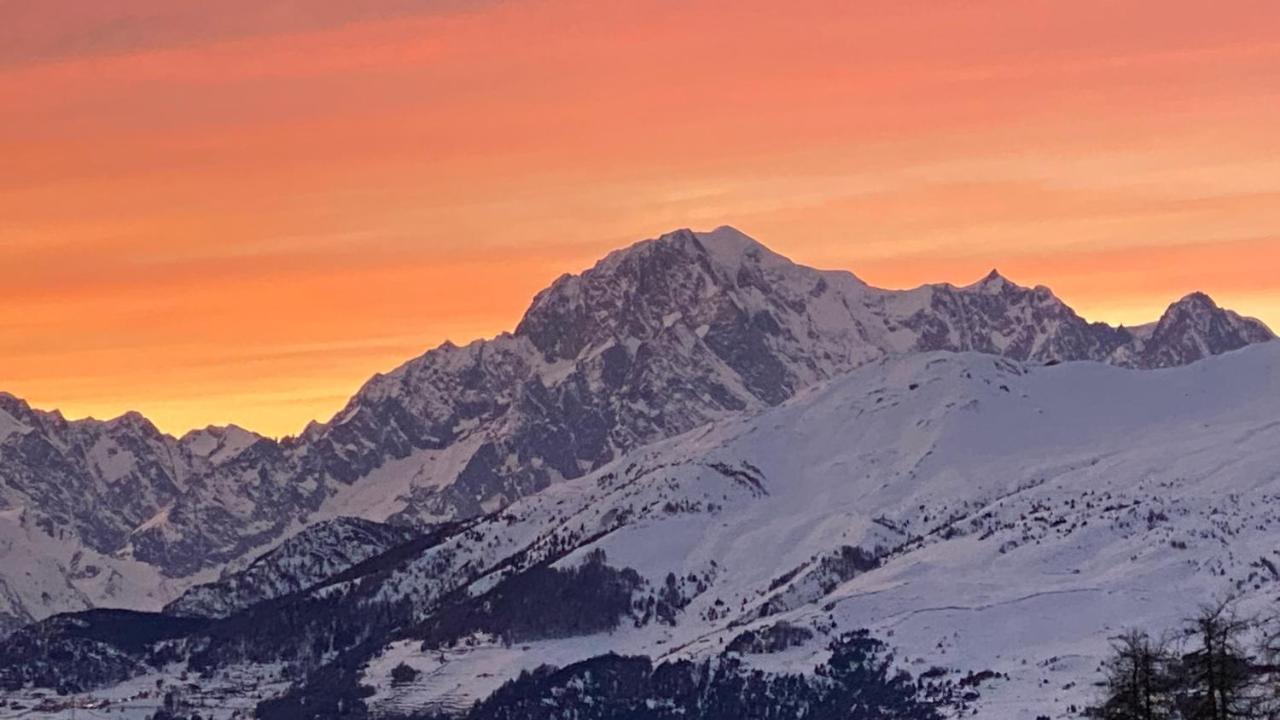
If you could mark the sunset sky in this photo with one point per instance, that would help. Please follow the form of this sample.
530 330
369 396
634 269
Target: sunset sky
238 211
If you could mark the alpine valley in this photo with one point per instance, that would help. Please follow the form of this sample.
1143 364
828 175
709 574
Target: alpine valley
696 481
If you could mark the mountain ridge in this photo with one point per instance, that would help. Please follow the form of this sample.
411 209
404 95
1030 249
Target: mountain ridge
652 341
724 230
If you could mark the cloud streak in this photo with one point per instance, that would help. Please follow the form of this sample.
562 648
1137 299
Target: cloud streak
60 30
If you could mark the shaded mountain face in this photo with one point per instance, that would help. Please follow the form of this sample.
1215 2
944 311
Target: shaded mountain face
72 471
653 341
998 317
314 554
1195 328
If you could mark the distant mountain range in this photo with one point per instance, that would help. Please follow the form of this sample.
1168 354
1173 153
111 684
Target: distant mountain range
656 340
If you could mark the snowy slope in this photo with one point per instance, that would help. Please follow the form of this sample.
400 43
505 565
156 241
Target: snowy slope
42 574
1022 516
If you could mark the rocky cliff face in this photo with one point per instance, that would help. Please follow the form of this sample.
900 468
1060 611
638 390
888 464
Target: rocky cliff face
1192 329
998 317
653 341
96 480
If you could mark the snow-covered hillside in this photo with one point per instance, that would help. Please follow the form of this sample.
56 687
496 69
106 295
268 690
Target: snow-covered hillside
43 574
1018 516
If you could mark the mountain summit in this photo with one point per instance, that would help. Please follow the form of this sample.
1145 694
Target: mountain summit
1194 328
654 340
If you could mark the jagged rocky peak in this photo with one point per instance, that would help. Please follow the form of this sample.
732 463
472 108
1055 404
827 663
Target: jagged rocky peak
132 420
217 443
997 283
632 293
1204 314
17 417
13 404
993 282
1194 328
995 315
14 416
682 279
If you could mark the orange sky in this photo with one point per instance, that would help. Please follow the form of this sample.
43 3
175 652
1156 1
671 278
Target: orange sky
238 216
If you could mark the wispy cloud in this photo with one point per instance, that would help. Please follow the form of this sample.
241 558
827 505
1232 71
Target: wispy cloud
53 30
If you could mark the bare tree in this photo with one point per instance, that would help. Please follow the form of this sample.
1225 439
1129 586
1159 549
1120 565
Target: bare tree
1138 683
1267 668
1217 676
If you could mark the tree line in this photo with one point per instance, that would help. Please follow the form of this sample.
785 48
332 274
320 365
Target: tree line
1220 665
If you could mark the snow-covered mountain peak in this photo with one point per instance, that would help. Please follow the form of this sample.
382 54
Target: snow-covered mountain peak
218 443
133 421
13 415
1196 299
998 284
20 410
725 246
681 281
1201 309
992 283
730 248
1195 327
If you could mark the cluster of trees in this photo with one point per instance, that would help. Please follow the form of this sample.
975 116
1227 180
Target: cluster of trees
1220 666
539 603
861 681
76 652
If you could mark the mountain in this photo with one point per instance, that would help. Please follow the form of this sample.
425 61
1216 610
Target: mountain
675 332
68 469
994 522
653 341
73 493
1192 329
